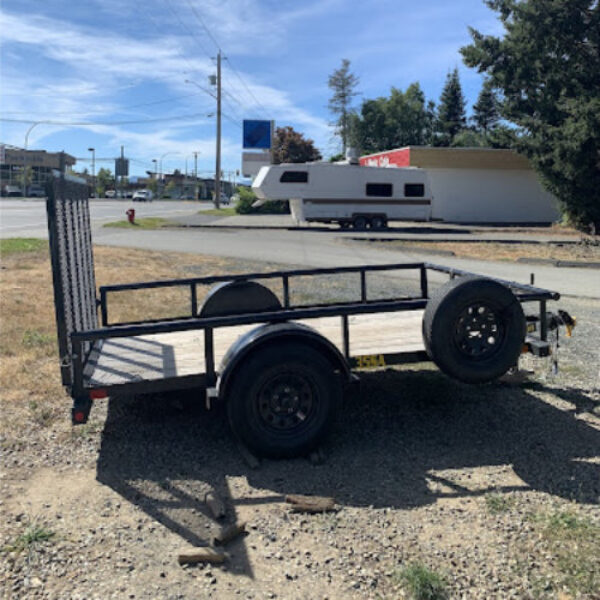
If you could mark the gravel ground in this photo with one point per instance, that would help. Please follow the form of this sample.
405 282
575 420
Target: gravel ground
494 487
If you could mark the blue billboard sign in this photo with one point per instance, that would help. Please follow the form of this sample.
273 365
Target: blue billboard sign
257 134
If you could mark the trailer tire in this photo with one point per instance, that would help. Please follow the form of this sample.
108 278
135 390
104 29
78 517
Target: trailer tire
378 222
474 329
283 399
360 223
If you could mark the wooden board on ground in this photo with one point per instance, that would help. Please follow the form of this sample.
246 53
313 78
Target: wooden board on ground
166 355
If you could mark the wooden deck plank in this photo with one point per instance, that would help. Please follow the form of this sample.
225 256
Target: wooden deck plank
176 354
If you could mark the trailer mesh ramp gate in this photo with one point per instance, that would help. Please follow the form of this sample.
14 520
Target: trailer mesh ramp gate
72 258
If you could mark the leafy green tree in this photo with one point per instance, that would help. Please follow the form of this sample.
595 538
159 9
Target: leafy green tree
343 85
402 119
547 66
451 110
104 181
370 128
485 110
291 146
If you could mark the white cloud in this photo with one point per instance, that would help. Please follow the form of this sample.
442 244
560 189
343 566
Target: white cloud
100 63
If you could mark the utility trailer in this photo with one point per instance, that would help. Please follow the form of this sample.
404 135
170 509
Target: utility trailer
280 367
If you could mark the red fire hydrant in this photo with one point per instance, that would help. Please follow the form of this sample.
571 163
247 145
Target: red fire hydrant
131 215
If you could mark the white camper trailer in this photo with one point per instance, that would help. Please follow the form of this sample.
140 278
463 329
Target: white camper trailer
350 195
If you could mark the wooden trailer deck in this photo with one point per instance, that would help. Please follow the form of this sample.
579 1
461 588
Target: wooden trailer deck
177 354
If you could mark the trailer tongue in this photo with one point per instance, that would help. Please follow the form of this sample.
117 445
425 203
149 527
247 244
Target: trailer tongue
279 366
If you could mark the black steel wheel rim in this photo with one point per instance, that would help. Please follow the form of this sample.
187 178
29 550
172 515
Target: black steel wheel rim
286 401
479 331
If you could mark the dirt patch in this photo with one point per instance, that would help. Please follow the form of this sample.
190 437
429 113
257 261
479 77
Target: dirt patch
580 251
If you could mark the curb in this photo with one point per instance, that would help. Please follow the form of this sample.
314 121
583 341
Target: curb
559 263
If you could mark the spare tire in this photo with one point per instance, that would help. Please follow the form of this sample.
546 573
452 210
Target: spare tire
474 329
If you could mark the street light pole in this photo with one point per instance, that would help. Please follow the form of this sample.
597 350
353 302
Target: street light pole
93 151
218 149
195 175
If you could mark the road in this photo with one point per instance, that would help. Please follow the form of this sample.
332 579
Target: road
303 247
27 218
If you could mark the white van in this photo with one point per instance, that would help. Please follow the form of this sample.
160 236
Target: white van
142 196
350 195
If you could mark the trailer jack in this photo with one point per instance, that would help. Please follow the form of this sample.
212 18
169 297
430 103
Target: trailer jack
81 410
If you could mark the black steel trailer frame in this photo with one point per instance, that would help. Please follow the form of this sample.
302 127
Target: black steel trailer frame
80 337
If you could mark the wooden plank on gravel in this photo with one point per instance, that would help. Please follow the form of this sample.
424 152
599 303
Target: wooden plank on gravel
229 533
215 504
200 554
310 504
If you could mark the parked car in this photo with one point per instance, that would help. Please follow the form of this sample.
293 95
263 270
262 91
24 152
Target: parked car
36 191
12 190
143 196
110 194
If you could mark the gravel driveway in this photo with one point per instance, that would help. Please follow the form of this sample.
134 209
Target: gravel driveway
467 480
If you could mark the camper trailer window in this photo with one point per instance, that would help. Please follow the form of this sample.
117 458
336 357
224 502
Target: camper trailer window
379 189
414 190
294 177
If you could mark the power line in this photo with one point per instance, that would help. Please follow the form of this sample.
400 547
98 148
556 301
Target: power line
190 32
83 123
216 43
119 109
259 104
206 29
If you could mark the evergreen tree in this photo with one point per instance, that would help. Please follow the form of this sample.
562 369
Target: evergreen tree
343 84
451 110
430 122
547 66
485 110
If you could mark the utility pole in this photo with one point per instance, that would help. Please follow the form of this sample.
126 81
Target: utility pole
93 151
195 176
218 159
121 177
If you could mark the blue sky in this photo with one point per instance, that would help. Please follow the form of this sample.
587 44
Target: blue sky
110 62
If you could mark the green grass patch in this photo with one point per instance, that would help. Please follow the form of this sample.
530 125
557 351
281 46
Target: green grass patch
421 583
20 245
498 503
34 534
145 223
32 338
220 212
574 543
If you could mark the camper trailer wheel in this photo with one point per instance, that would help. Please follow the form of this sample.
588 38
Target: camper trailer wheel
283 399
377 222
360 223
474 329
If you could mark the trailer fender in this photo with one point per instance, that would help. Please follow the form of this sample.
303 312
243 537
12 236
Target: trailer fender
237 297
269 333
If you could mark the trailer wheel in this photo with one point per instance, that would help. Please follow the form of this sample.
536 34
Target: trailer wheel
377 222
360 223
345 224
474 329
283 399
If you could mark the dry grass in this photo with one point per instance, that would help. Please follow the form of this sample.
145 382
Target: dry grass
31 395
505 251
